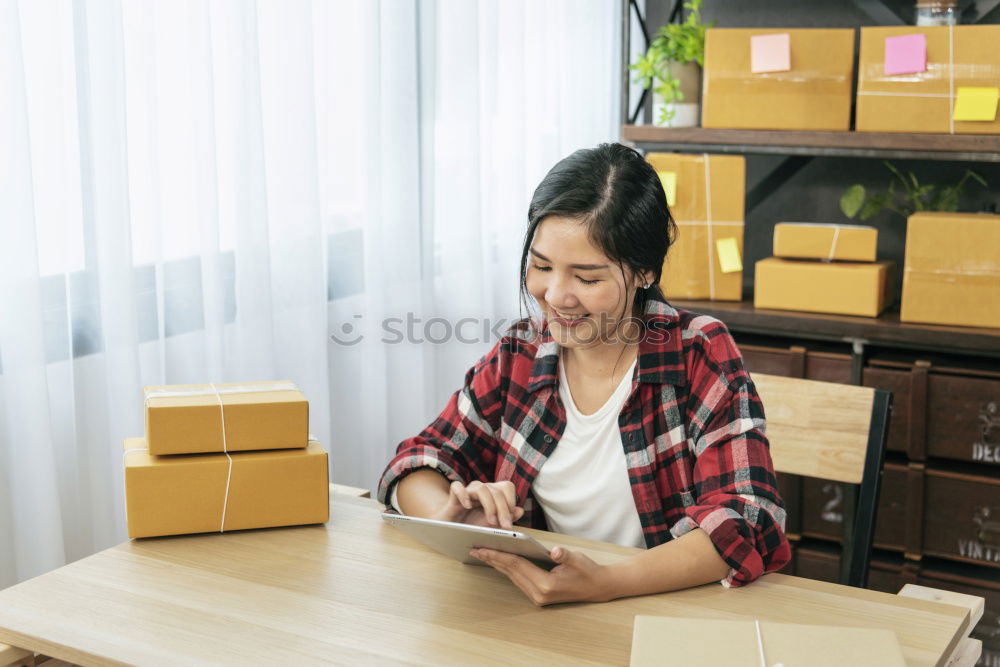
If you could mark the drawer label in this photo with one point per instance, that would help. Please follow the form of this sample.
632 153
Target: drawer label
985 453
989 658
988 447
831 510
978 550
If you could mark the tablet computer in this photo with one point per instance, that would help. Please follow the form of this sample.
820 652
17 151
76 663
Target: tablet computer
458 539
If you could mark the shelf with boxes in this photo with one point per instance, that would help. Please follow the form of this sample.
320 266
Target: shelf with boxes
938 522
892 145
816 85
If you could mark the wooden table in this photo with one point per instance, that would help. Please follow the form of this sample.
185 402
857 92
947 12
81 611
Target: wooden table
358 591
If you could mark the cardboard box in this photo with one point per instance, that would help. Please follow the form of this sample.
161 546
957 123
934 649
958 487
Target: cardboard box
843 288
696 641
806 240
187 419
176 495
951 271
958 57
708 209
814 94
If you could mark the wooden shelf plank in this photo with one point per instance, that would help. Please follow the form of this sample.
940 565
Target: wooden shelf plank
885 330
967 147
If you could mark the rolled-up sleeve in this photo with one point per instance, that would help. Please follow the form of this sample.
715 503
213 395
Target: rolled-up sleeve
736 497
460 442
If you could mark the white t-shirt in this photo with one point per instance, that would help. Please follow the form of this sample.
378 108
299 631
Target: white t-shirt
583 487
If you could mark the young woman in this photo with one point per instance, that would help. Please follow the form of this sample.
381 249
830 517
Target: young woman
616 417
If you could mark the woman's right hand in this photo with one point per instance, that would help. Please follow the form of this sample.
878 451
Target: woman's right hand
493 504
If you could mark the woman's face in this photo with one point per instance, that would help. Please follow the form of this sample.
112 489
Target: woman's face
581 292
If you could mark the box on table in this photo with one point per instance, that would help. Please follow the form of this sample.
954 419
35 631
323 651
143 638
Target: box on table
807 240
814 94
188 493
951 271
956 57
188 419
751 642
843 288
705 261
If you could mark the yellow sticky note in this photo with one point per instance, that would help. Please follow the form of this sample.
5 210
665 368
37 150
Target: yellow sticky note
729 255
976 103
669 181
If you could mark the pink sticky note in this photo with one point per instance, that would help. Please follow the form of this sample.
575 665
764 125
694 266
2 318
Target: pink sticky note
905 54
770 53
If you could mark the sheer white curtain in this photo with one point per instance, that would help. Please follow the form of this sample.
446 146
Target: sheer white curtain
218 191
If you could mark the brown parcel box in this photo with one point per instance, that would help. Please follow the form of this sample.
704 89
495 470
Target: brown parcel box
187 419
695 641
814 95
176 495
844 288
806 240
951 272
708 208
923 101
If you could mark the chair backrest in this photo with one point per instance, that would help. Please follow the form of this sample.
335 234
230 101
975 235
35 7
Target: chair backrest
835 432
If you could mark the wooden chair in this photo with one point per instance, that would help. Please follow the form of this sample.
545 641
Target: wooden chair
835 432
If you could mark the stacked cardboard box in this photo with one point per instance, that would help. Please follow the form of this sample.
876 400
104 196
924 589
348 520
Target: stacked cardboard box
940 79
778 79
824 269
705 197
224 457
951 271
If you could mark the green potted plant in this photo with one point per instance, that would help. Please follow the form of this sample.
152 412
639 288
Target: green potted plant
672 66
913 197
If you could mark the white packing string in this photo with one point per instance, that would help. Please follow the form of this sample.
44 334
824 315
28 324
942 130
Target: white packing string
708 214
225 450
833 246
760 643
211 389
951 84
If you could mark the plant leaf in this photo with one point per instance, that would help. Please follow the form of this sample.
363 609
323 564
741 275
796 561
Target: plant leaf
872 207
852 200
976 177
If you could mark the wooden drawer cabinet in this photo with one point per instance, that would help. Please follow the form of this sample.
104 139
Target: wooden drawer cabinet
887 573
941 410
898 382
790 490
962 517
963 418
822 505
797 361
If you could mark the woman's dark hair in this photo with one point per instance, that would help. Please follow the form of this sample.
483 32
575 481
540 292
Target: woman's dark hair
618 196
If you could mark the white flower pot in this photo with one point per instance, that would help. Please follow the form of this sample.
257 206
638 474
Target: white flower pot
687 113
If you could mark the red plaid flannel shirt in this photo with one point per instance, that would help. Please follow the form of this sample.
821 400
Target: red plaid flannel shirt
692 429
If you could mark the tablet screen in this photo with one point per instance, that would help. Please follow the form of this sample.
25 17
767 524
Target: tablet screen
458 539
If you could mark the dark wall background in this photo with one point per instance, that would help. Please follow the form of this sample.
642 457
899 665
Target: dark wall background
813 193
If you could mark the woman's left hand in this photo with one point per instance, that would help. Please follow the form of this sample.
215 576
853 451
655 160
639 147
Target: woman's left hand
575 579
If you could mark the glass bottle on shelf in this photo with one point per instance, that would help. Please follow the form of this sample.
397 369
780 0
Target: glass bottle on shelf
937 12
